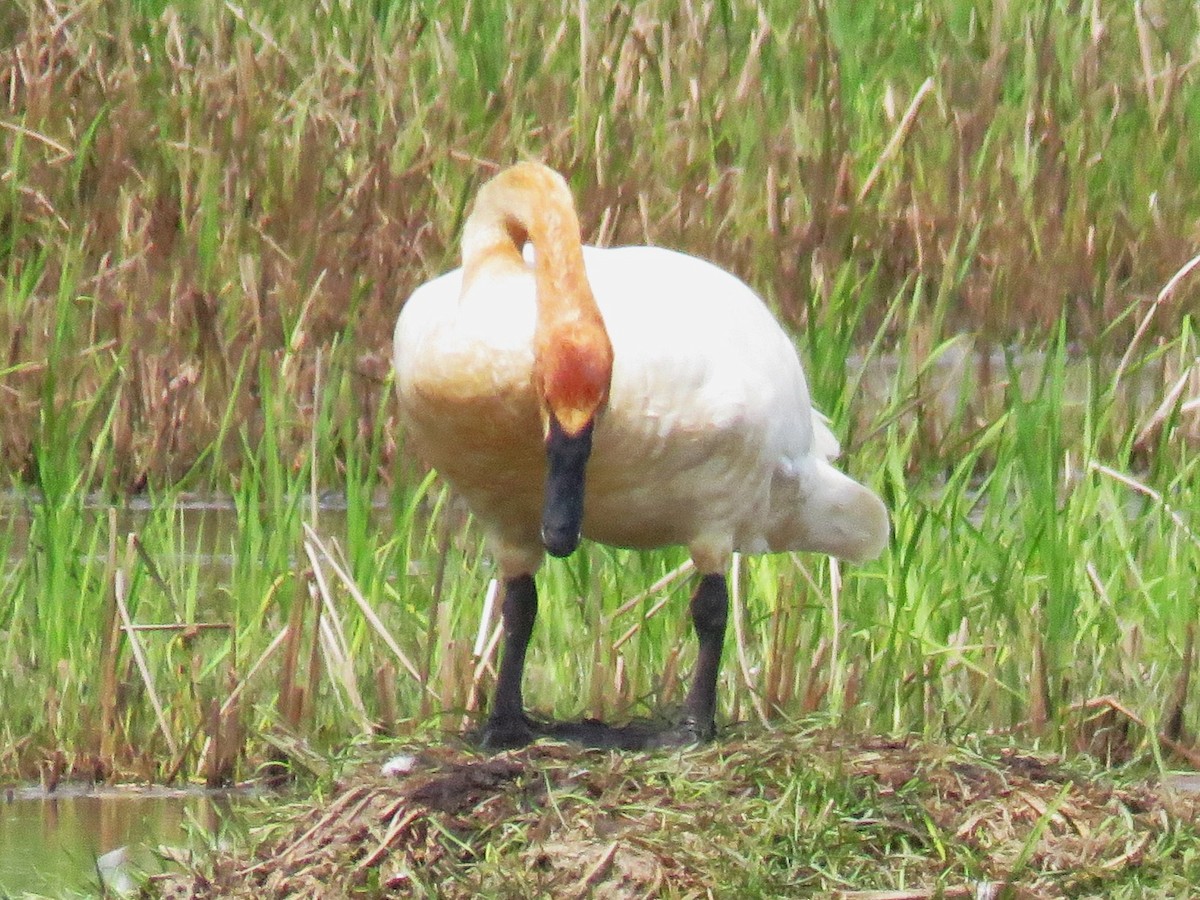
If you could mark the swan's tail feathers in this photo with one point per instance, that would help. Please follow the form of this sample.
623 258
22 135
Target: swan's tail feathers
834 515
850 521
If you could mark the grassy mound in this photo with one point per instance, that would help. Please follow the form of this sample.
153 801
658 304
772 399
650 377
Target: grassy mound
779 815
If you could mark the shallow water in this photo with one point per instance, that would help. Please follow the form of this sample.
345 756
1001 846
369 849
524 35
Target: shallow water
206 522
68 843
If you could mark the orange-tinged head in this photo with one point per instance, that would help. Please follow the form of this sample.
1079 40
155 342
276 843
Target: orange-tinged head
573 371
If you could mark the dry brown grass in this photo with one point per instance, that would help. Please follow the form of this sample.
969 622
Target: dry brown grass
812 815
193 198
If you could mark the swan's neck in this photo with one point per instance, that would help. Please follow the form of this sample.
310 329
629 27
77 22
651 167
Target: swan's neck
530 202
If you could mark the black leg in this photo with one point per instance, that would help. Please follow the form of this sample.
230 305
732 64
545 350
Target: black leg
710 612
507 724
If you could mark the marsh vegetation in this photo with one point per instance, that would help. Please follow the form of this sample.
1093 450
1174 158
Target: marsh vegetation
979 221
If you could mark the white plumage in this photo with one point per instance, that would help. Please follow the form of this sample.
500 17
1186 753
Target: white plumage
708 440
644 397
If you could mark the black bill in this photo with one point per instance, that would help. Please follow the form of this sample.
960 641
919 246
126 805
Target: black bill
566 461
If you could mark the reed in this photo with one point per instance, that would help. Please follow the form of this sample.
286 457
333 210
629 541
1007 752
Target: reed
978 223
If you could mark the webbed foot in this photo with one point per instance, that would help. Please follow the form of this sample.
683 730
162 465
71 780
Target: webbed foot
687 733
508 732
639 735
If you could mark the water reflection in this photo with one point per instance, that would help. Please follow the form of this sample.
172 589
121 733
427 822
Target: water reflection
58 845
206 524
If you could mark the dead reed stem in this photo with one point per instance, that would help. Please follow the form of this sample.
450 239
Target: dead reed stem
897 139
111 636
1166 293
135 645
749 682
318 546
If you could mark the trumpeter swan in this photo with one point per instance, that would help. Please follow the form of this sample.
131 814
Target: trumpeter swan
636 396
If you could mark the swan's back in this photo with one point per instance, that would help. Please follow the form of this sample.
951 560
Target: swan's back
710 429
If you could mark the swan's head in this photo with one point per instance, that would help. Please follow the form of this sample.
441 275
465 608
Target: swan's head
573 372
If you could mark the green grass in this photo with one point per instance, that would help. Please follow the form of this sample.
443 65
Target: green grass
210 216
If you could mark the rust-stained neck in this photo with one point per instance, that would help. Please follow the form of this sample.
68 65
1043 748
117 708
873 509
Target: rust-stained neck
573 355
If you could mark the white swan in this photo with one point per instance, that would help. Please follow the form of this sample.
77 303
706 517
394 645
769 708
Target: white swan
637 396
